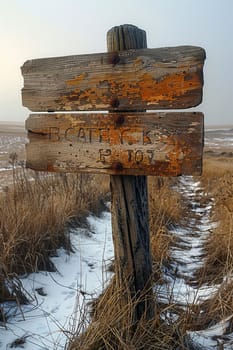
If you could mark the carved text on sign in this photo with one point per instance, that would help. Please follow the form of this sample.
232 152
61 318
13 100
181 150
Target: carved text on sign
126 143
104 135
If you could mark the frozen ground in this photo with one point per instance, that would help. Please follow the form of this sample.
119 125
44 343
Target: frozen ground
12 141
58 299
219 139
180 287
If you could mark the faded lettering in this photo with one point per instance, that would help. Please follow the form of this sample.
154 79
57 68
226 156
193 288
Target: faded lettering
150 154
103 153
81 136
110 136
121 136
146 138
104 136
132 157
131 136
54 134
140 156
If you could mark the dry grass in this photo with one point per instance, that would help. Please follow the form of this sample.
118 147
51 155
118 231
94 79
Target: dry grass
219 307
214 168
218 177
165 207
112 327
218 266
35 213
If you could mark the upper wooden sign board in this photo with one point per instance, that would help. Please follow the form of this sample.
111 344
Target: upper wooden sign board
164 143
164 78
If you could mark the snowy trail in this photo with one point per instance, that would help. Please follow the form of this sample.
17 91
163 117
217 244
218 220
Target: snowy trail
56 297
181 287
187 254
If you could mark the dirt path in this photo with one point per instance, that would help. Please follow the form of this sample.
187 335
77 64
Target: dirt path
182 288
188 253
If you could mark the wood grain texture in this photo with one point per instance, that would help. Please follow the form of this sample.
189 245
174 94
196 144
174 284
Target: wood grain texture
130 222
131 237
163 78
162 144
126 37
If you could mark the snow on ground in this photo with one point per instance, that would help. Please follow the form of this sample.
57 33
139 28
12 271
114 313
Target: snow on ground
213 337
56 297
188 252
180 286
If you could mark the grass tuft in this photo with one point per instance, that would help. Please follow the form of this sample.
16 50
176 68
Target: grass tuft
35 214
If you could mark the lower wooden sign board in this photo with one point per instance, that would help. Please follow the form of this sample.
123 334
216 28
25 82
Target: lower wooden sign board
161 144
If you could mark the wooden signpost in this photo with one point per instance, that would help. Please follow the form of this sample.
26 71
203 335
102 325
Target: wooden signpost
128 143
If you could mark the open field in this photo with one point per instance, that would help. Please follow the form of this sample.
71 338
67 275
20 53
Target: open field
12 140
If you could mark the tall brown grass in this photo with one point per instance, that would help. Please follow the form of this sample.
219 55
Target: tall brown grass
218 263
112 326
218 179
35 213
165 207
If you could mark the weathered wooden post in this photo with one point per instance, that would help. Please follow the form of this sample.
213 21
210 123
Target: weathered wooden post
127 143
130 218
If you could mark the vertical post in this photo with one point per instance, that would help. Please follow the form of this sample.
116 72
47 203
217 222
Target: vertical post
130 223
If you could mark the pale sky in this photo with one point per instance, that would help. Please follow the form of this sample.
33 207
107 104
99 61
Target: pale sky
44 28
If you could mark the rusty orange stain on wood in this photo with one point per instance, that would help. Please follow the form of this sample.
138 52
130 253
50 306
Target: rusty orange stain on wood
178 153
50 168
150 90
76 81
151 79
169 87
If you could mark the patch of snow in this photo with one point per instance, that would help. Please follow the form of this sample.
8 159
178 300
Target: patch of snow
214 337
58 297
187 257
